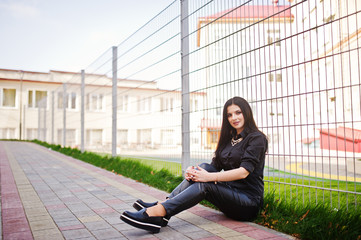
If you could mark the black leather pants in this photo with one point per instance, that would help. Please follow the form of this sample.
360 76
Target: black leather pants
231 201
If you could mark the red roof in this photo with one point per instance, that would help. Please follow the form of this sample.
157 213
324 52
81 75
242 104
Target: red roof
343 132
254 11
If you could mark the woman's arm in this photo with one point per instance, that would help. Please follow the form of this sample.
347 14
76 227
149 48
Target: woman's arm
201 175
257 146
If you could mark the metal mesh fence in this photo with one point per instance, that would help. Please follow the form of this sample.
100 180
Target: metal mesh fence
297 63
298 66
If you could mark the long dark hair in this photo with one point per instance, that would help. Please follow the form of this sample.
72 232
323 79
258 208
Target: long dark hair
227 131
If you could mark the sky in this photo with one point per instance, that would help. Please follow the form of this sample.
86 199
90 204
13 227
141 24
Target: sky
67 35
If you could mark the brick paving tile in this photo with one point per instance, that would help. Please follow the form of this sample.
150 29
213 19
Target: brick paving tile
18 235
72 227
47 234
47 195
133 234
259 234
97 225
76 233
65 224
87 238
108 233
198 234
11 213
211 238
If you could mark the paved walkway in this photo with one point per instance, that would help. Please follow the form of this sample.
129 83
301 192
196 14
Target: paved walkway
47 195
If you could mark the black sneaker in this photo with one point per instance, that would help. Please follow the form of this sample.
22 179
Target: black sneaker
139 205
142 220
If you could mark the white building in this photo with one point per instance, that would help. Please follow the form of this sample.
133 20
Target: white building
244 55
329 76
147 117
298 65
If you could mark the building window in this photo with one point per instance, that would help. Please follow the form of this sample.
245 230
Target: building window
219 106
314 9
34 98
94 102
31 133
166 104
214 136
34 133
272 38
273 76
167 137
70 137
71 98
94 137
8 97
329 18
123 103
144 104
61 100
122 136
193 105
144 136
276 107
7 133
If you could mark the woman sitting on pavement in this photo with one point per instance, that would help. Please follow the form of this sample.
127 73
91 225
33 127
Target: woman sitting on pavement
237 190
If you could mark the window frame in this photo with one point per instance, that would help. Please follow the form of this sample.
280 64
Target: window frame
167 104
89 102
2 98
123 102
34 104
68 101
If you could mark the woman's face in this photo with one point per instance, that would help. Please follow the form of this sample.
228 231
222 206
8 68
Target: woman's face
235 117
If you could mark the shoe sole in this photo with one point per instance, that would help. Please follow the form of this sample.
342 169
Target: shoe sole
139 206
146 226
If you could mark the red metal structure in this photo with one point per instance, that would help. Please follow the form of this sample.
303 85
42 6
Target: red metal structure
341 139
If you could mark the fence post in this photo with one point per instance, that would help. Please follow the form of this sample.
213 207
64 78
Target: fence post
39 119
24 123
52 117
114 102
64 114
82 111
185 85
44 103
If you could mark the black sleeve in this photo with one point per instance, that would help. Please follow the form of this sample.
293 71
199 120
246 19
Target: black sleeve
256 148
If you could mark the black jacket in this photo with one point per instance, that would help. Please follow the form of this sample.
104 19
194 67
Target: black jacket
249 154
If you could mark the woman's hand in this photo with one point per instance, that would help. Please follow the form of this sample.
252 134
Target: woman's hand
200 175
188 174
